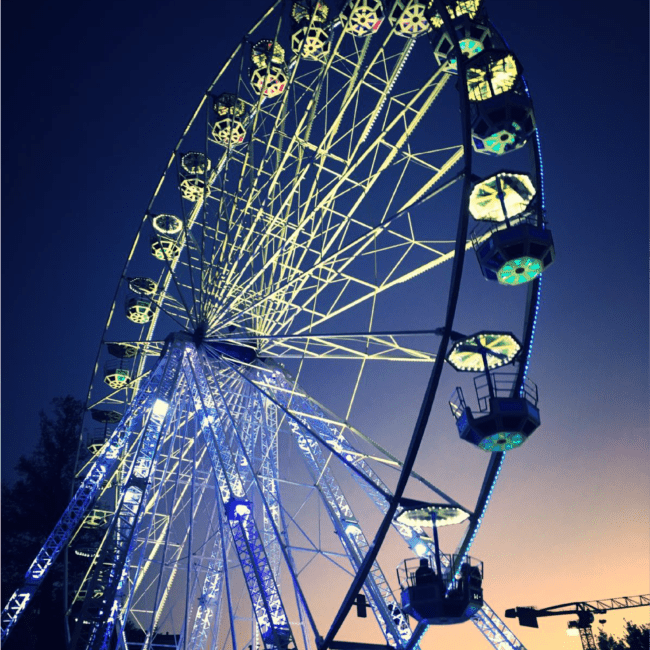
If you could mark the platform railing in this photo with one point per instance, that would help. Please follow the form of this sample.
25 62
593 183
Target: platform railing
457 403
484 229
503 384
98 436
493 384
407 572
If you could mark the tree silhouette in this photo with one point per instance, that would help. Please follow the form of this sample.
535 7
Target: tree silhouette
636 637
30 509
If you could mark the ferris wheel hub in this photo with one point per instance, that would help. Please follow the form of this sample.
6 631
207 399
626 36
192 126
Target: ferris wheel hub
236 351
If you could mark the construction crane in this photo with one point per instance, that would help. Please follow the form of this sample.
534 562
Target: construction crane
584 610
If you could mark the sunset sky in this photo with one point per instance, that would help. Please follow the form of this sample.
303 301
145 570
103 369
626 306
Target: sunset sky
95 97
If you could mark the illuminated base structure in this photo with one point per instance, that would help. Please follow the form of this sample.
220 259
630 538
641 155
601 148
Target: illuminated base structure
231 408
207 423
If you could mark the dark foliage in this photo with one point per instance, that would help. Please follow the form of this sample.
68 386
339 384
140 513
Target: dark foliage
636 637
30 510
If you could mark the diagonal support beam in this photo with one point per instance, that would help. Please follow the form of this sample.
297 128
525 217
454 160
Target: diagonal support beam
269 610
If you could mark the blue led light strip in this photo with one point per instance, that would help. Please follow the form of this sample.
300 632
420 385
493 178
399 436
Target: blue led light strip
538 281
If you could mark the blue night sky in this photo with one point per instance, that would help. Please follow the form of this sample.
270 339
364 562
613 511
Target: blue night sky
95 97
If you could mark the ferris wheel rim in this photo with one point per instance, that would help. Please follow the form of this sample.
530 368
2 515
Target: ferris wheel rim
532 302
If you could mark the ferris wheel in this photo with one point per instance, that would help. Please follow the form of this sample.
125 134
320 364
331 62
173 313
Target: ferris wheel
296 274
